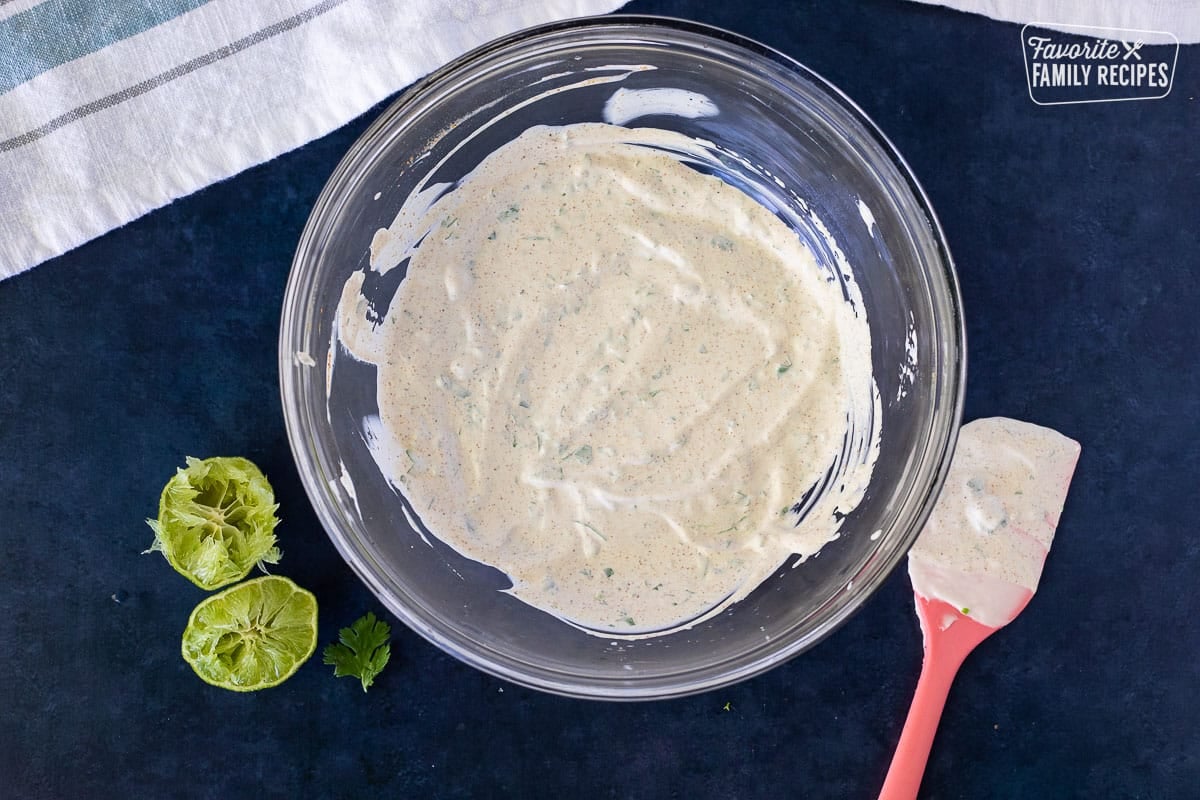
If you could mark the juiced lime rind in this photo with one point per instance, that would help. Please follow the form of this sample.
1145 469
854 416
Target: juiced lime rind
216 520
252 636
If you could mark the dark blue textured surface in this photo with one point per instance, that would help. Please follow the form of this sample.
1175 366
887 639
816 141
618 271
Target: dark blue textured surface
1075 233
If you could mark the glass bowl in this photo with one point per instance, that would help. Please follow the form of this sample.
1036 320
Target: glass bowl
793 141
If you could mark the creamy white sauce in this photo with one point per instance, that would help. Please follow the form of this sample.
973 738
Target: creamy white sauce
868 218
615 378
908 367
626 105
987 539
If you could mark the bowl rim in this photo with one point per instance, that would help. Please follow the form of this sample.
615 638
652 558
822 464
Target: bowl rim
938 449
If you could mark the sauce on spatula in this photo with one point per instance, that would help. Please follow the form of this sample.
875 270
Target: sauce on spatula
983 548
978 561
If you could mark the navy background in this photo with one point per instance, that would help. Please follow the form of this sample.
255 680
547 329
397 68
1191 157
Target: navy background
1075 234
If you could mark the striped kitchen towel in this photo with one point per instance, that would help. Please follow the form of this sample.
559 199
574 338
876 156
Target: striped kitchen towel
112 108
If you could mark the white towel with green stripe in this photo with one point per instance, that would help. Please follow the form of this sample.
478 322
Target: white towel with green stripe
112 108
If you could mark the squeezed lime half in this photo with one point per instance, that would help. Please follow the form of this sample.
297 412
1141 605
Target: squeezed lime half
253 635
216 520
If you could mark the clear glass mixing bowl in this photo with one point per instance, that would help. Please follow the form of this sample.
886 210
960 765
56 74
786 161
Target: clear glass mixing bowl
785 123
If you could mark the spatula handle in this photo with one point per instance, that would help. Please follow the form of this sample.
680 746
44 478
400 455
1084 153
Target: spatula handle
908 764
949 636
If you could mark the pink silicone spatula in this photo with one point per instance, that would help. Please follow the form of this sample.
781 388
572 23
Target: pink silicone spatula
977 562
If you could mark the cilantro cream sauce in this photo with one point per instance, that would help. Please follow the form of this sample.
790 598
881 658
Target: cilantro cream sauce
623 382
984 546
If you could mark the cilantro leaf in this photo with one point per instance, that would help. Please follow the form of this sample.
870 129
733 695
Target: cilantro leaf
364 650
